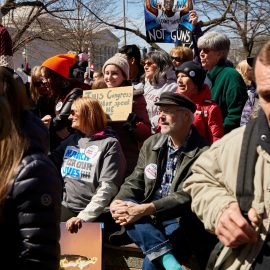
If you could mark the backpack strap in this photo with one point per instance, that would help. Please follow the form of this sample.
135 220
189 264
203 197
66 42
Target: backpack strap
246 168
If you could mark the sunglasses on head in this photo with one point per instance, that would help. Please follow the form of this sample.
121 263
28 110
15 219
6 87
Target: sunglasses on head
177 59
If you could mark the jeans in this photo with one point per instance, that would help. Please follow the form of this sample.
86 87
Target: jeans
157 239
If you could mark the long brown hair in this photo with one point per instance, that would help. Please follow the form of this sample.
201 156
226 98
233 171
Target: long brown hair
12 141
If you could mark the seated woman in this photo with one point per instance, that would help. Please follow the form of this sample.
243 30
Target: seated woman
208 117
92 165
136 129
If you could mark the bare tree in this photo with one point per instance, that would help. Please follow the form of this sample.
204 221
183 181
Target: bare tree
245 21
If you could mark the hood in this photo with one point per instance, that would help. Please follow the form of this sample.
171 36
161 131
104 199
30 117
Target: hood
203 94
36 132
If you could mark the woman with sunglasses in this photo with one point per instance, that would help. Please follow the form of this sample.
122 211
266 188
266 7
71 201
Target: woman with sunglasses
159 77
180 54
92 165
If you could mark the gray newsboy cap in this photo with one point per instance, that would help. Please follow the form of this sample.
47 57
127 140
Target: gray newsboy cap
168 98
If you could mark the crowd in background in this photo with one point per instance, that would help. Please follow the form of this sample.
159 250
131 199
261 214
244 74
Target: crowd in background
63 160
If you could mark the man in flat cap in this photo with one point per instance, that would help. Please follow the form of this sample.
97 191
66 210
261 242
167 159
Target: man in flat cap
151 204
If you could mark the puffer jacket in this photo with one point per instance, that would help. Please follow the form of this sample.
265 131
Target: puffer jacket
212 187
30 216
208 117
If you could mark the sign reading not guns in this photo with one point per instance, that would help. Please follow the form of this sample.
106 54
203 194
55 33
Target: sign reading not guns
116 102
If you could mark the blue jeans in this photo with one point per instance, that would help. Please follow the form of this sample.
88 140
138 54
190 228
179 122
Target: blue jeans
157 239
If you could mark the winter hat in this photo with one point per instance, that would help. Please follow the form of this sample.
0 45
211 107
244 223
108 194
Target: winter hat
6 55
194 71
169 98
60 64
83 57
120 61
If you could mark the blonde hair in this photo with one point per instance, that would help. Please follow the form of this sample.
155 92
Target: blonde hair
242 67
13 143
92 117
99 84
183 52
35 76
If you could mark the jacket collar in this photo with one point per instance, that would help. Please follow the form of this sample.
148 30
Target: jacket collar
194 141
213 73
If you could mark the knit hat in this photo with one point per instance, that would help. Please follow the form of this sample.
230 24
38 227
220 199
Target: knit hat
169 98
119 61
60 64
83 57
194 71
6 59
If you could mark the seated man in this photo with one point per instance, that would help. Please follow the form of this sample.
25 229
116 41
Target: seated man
151 204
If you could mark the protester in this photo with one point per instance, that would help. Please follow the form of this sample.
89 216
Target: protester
229 186
133 132
63 91
228 88
245 71
133 55
30 186
92 165
151 205
207 118
180 54
159 78
252 103
41 96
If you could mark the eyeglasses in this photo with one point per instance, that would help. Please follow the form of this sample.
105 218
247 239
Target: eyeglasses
169 112
177 59
148 63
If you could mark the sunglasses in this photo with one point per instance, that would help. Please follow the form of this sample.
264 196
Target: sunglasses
177 59
204 50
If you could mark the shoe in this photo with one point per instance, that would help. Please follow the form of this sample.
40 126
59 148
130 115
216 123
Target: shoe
120 238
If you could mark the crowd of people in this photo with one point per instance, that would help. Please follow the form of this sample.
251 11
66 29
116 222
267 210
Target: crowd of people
180 178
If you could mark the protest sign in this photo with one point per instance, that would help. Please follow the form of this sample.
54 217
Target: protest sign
167 21
81 250
116 102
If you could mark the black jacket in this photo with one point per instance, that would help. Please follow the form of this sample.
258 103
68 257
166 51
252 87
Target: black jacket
29 218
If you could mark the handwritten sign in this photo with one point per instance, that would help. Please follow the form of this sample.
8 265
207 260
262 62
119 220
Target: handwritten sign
116 102
81 250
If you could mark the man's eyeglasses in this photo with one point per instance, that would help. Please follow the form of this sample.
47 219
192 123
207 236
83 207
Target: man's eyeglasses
177 59
169 112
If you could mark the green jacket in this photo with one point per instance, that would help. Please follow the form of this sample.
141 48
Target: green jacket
230 93
146 178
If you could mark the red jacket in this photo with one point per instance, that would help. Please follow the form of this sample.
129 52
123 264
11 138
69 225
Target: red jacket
208 117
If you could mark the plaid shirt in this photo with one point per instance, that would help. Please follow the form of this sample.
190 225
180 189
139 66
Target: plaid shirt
173 155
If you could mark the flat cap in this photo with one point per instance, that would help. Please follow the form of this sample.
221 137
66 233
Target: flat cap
168 98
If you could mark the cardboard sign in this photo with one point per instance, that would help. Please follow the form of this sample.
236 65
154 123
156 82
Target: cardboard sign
81 250
116 102
167 21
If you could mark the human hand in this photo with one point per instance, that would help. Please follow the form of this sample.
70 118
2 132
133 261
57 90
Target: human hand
63 133
118 209
86 75
233 229
74 224
46 120
193 17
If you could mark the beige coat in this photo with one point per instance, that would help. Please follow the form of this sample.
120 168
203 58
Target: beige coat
213 187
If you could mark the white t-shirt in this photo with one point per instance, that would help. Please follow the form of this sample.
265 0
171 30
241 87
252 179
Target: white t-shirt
168 23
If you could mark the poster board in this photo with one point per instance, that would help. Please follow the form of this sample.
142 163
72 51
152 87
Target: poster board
86 243
167 21
116 102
